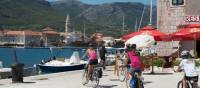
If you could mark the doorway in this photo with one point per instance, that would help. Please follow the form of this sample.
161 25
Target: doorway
198 48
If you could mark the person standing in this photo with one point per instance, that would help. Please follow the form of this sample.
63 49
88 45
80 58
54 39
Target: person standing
102 54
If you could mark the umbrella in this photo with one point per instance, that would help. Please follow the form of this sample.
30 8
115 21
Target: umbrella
141 41
189 32
149 30
158 36
185 34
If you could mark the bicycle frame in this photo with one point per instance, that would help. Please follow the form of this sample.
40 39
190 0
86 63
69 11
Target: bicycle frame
137 80
189 84
94 76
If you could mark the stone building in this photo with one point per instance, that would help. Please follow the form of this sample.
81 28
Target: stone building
170 15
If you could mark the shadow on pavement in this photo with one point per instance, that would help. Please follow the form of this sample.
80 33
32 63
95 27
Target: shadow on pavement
109 70
114 80
146 82
29 82
105 75
42 79
107 86
157 74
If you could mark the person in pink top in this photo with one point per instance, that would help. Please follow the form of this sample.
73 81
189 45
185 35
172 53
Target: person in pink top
133 59
92 60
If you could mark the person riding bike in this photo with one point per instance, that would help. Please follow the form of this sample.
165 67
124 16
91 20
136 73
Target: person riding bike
92 60
134 62
188 66
133 59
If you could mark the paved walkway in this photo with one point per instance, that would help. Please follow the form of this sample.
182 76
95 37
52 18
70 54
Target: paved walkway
73 80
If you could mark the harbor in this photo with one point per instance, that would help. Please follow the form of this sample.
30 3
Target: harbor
99 44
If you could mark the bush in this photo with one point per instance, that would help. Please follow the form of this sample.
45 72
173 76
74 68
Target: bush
176 63
197 62
158 62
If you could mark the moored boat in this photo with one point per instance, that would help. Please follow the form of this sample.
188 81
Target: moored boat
53 69
74 63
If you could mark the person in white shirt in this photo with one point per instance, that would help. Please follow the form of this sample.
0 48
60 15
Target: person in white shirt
188 66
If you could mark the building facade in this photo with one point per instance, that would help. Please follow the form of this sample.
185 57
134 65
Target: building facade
32 39
170 15
16 38
51 37
21 38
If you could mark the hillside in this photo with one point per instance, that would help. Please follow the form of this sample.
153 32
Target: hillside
105 18
28 14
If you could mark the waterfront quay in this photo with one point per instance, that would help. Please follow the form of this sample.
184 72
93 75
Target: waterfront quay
73 80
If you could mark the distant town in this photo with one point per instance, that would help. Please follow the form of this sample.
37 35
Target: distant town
47 37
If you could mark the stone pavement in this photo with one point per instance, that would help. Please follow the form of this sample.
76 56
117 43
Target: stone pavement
73 80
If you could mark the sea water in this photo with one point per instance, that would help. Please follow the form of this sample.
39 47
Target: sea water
31 56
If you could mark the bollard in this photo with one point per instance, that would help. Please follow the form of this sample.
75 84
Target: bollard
17 73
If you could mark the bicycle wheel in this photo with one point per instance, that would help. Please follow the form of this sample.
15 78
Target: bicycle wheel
180 85
128 82
141 85
84 81
195 85
122 74
95 79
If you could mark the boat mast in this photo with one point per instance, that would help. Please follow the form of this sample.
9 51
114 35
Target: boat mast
123 25
84 31
67 24
141 18
135 29
24 38
151 7
67 29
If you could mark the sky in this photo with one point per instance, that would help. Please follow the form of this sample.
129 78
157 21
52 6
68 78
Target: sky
109 1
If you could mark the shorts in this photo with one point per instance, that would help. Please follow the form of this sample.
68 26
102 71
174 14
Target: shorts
93 62
103 58
194 78
132 71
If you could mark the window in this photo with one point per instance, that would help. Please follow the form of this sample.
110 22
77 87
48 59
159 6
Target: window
177 2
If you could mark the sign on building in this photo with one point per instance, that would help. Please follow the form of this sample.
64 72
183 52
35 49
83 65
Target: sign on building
191 18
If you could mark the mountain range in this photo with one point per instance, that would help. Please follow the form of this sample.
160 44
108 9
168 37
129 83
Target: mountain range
104 18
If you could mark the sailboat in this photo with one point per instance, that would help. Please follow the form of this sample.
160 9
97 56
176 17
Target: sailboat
73 63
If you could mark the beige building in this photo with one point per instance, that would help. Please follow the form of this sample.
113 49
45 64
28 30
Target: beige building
170 15
21 38
51 37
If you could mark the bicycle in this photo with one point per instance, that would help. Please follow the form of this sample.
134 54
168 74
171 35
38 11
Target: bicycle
122 70
135 81
189 84
94 77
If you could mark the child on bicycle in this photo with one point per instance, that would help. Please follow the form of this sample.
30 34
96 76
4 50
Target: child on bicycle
188 66
92 60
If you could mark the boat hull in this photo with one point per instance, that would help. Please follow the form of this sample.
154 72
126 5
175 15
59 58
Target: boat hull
53 69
